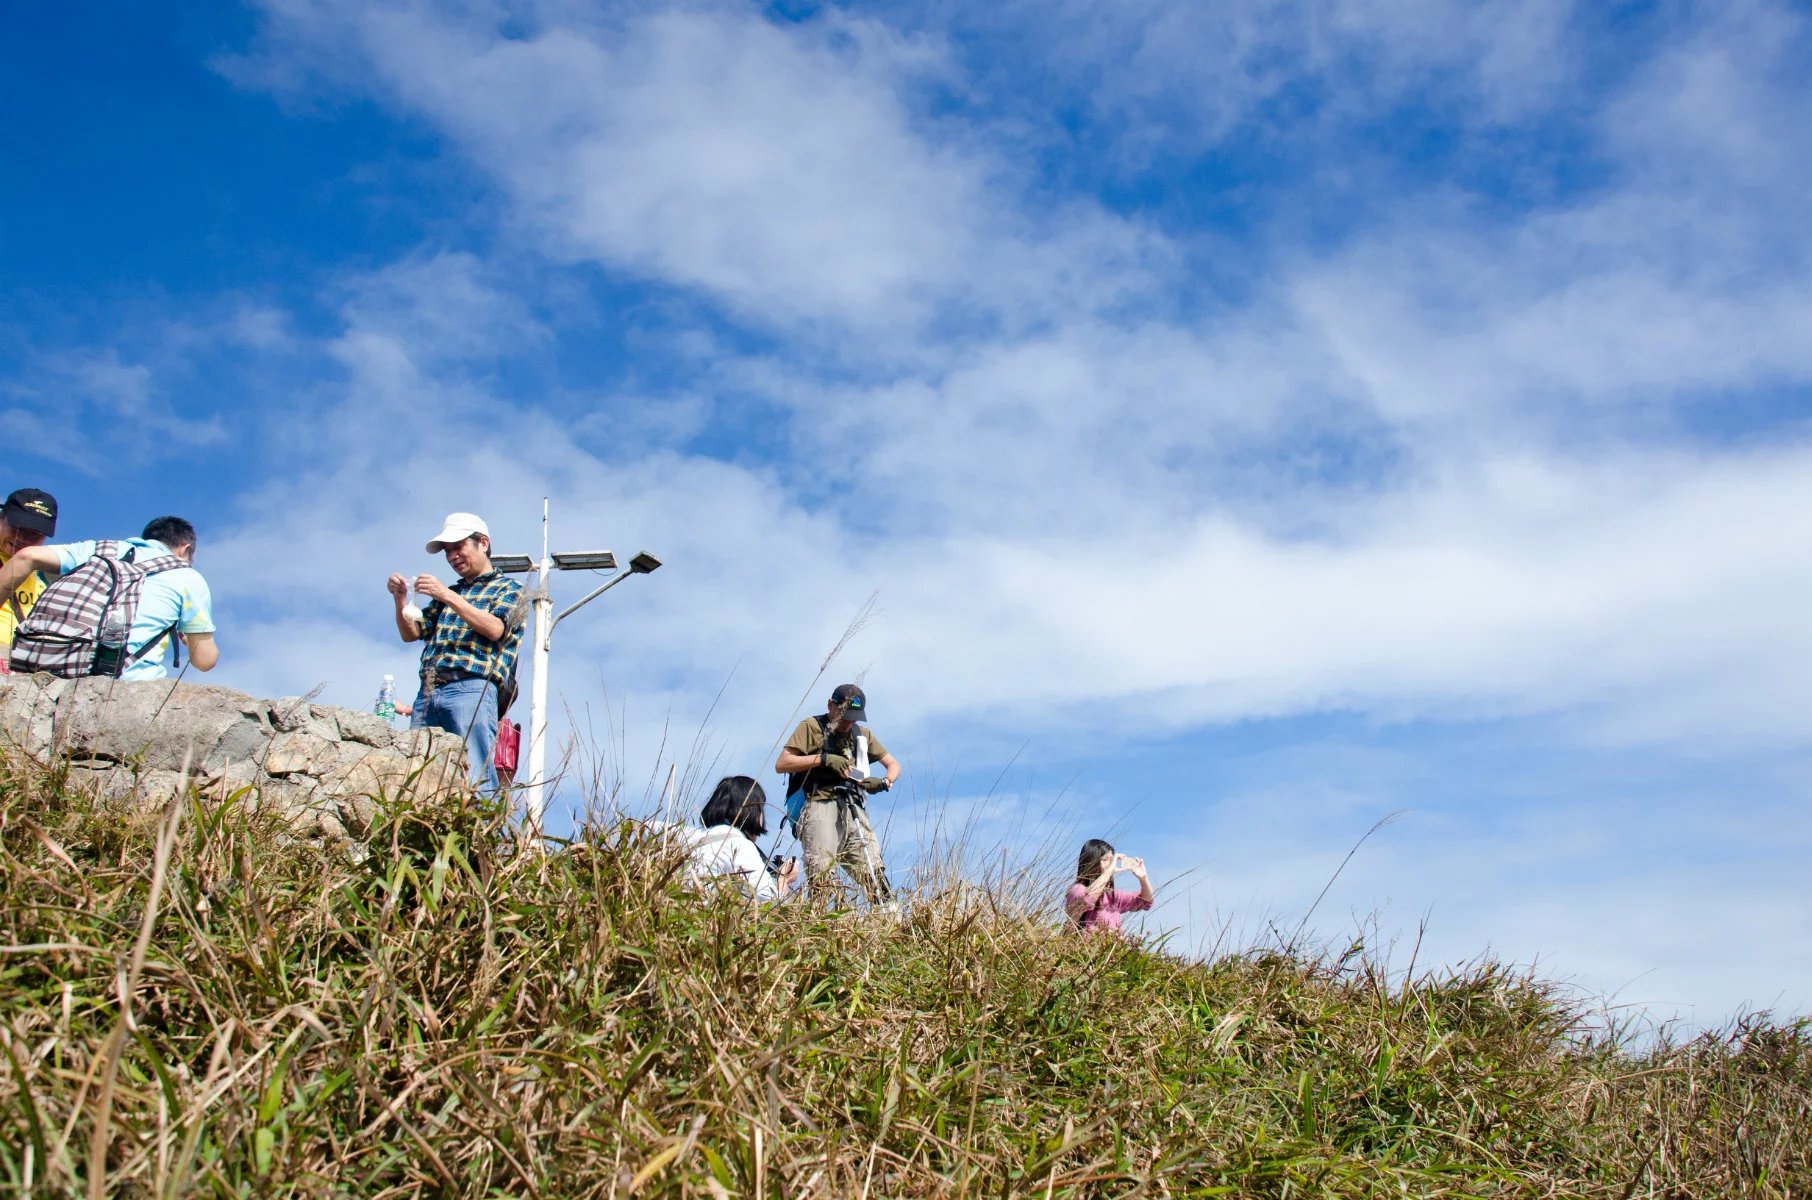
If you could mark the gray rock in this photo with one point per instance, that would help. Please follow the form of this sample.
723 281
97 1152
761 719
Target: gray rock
365 728
289 714
293 713
122 788
322 723
155 788
28 709
296 794
103 781
364 770
245 740
301 752
358 813
156 725
131 742
233 778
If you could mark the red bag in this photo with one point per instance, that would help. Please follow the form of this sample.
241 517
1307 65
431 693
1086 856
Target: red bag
509 746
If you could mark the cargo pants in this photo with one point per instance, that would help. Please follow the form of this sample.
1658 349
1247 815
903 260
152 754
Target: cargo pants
835 832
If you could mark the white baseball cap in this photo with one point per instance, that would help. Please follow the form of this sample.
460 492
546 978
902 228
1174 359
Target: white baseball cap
458 527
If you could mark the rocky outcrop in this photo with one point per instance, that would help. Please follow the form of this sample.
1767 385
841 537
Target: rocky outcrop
325 769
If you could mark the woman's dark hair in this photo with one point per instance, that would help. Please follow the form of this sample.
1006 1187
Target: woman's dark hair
738 801
1088 863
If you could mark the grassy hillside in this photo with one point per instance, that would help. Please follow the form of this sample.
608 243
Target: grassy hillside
191 1006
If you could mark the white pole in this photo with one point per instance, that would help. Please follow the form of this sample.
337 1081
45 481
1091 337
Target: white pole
543 633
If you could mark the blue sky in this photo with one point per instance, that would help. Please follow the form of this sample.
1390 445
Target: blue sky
1251 419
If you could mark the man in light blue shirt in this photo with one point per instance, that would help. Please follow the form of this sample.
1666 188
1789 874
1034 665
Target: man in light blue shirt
174 604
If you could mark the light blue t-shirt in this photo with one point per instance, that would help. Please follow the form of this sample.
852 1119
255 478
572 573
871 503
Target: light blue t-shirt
176 597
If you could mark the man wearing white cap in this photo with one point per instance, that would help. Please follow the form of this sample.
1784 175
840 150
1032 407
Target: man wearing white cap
472 630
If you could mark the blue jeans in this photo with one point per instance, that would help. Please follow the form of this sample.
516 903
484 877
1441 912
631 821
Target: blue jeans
467 707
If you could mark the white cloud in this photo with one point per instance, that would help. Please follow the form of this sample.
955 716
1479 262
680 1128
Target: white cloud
1469 597
91 409
1352 494
440 307
1168 77
781 171
1714 112
1681 898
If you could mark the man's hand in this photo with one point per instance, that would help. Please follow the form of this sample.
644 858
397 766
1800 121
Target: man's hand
839 763
874 784
408 617
23 563
433 588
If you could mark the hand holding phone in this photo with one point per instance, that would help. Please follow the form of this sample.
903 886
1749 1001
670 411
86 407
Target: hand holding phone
431 587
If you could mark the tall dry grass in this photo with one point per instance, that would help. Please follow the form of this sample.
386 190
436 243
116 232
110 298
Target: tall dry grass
192 1004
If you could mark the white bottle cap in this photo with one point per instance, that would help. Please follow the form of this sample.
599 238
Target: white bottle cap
389 679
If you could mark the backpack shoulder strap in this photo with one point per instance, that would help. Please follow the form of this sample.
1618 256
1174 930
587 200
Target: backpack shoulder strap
155 642
146 569
795 782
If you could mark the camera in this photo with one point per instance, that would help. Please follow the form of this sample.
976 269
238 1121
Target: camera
778 862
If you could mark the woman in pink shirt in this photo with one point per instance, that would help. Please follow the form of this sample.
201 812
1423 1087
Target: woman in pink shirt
1092 902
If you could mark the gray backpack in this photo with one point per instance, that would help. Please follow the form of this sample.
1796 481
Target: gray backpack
82 622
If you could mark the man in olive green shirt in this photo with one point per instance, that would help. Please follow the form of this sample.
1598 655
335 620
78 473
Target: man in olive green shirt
827 793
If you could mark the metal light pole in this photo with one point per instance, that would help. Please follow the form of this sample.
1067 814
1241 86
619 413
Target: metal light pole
543 602
537 746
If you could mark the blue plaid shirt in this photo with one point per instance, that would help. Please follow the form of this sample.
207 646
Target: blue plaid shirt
452 645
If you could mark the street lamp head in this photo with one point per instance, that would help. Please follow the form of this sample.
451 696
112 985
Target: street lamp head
586 560
513 564
643 563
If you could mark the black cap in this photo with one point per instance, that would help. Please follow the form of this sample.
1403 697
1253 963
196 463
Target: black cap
29 508
855 704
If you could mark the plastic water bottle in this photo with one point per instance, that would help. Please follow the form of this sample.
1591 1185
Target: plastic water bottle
110 649
386 699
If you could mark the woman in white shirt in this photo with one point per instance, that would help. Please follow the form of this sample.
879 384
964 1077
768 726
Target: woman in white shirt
734 816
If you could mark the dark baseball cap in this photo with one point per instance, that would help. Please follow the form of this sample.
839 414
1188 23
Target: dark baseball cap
29 508
855 704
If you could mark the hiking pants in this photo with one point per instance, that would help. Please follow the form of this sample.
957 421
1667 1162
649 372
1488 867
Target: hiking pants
837 833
